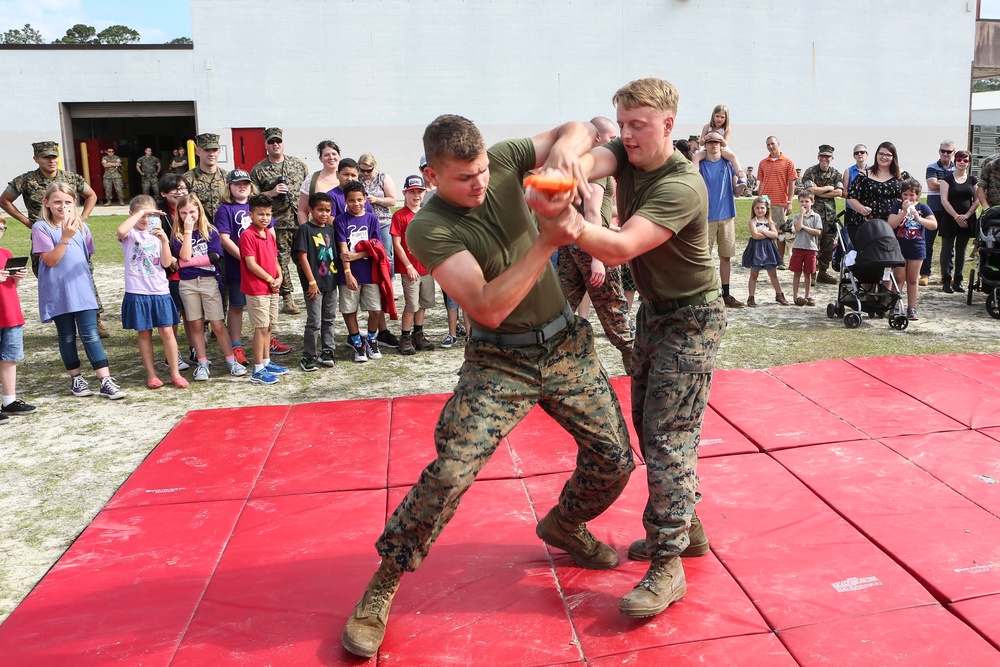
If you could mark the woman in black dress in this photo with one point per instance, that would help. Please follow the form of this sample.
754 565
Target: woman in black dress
958 224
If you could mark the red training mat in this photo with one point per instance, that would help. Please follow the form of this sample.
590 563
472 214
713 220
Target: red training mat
747 651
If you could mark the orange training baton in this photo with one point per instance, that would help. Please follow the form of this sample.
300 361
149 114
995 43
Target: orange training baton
550 183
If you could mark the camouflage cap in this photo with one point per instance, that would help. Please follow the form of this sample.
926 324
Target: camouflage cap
826 150
207 141
272 133
46 149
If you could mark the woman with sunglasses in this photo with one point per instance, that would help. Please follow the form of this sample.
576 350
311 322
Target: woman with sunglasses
873 192
860 166
957 223
382 197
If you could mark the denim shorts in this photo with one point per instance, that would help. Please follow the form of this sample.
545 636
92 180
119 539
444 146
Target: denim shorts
237 299
12 343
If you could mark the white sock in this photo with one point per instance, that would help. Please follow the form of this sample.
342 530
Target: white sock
7 400
257 368
267 360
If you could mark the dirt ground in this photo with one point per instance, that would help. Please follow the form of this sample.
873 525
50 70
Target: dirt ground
60 466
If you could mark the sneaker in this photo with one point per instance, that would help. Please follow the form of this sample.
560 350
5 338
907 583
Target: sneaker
278 348
420 341
79 387
448 341
4 417
460 330
18 407
911 314
201 373
110 389
697 543
386 338
240 355
181 364
275 369
192 355
576 540
263 377
236 369
309 364
327 358
371 347
406 346
663 585
360 355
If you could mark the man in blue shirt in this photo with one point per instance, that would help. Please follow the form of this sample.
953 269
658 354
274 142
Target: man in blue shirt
724 182
936 171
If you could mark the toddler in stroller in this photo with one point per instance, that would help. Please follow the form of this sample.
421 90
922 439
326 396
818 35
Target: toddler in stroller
986 276
868 253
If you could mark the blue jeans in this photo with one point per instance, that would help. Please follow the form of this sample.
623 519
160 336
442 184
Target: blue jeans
386 239
66 326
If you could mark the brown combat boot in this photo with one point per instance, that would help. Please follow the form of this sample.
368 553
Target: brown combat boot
290 306
420 341
826 278
577 541
365 629
663 585
697 546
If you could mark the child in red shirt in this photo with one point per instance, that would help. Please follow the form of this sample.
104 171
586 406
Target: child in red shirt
11 336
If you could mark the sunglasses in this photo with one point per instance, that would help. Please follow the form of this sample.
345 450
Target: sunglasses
861 152
961 159
945 151
366 171
274 140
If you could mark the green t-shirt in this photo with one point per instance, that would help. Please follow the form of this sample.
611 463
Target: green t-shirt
607 204
672 196
497 233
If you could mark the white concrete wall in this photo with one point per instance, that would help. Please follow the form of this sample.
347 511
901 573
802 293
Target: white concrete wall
371 74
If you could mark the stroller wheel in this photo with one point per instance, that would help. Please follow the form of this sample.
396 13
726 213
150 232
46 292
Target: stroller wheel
831 311
972 287
991 305
852 320
840 310
899 322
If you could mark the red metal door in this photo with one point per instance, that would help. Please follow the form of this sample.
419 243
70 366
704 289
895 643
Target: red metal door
248 147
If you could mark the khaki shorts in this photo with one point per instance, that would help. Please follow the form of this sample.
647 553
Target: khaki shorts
367 298
202 299
722 232
262 311
417 294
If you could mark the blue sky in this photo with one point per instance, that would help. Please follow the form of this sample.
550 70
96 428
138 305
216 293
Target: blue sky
156 21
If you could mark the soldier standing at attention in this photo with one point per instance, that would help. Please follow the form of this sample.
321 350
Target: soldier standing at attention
826 184
208 178
179 163
149 168
112 177
479 241
31 186
280 176
664 205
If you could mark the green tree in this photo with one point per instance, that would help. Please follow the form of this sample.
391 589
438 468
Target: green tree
985 85
79 34
180 40
118 34
25 35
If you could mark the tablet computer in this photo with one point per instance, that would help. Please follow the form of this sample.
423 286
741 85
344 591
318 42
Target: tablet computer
15 264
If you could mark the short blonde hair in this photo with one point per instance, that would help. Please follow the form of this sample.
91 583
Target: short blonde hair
368 160
649 92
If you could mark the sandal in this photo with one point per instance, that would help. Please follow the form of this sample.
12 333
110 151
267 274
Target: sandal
810 302
179 382
780 298
800 301
154 383
751 302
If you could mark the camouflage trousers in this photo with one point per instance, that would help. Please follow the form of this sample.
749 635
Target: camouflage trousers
672 368
496 388
150 185
608 299
113 182
827 240
285 238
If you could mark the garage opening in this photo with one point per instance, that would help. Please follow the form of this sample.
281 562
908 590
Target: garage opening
128 127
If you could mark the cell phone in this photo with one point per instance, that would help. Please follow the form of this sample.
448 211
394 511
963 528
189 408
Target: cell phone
152 223
16 264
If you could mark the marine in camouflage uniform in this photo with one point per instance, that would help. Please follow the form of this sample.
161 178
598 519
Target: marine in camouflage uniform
555 366
822 182
266 175
31 187
989 179
179 163
574 268
149 167
207 185
679 328
112 165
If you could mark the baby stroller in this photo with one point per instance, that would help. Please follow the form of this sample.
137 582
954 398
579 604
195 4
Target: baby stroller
867 253
986 277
